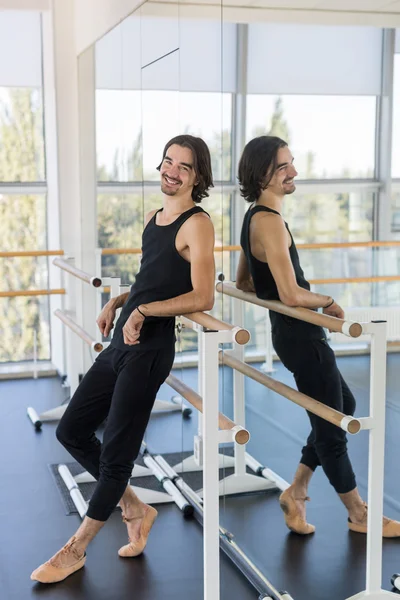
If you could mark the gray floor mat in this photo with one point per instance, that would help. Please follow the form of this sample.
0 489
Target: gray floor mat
193 478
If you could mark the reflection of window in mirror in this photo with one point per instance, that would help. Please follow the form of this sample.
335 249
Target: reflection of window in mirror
119 140
319 150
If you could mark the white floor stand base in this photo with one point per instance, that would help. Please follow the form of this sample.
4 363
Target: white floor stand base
151 496
190 464
138 471
242 484
54 414
165 406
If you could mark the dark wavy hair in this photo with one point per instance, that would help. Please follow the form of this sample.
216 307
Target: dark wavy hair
257 165
201 163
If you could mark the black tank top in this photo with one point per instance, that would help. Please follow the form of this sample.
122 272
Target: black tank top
266 288
163 274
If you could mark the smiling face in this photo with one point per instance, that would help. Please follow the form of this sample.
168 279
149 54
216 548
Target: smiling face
177 172
282 181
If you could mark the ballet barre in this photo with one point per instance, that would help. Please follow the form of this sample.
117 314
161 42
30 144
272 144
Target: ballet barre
72 270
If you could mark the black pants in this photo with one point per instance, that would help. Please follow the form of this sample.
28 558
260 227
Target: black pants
314 367
120 386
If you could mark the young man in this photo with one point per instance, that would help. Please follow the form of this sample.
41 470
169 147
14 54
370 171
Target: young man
176 276
269 266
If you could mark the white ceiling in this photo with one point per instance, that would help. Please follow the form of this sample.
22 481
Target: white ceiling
375 13
24 4
343 6
336 5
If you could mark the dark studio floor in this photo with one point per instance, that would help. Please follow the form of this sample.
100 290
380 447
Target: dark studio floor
327 566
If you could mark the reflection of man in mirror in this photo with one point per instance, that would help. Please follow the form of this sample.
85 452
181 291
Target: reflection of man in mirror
269 266
176 277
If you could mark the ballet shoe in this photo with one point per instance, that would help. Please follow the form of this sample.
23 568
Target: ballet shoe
390 527
134 548
53 571
293 519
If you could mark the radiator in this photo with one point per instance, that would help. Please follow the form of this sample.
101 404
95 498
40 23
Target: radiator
390 314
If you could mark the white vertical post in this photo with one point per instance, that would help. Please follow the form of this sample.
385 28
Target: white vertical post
376 457
57 333
239 389
98 270
268 366
88 187
35 371
62 139
200 382
209 389
115 286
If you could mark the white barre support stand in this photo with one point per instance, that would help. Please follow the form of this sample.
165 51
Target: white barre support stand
240 482
376 464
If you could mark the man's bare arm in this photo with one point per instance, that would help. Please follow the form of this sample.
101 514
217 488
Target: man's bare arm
270 230
199 237
244 280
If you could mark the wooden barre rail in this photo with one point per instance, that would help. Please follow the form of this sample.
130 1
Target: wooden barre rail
227 248
31 253
373 279
241 435
302 314
21 293
335 417
236 248
66 266
241 336
97 346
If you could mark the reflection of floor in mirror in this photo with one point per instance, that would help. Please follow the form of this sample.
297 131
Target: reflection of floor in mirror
329 565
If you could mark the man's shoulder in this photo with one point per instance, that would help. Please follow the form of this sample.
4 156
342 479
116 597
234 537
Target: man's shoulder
150 215
198 219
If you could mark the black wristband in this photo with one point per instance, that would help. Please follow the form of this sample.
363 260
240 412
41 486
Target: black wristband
140 312
330 304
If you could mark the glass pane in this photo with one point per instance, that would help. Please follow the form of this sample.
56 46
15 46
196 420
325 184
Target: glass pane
311 61
330 217
21 135
119 140
396 211
396 118
204 114
323 218
23 227
120 225
317 129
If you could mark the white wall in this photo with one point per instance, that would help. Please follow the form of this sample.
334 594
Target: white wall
94 18
24 4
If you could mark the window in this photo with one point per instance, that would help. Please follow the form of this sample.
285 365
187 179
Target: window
23 227
396 119
21 135
328 217
331 137
122 155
